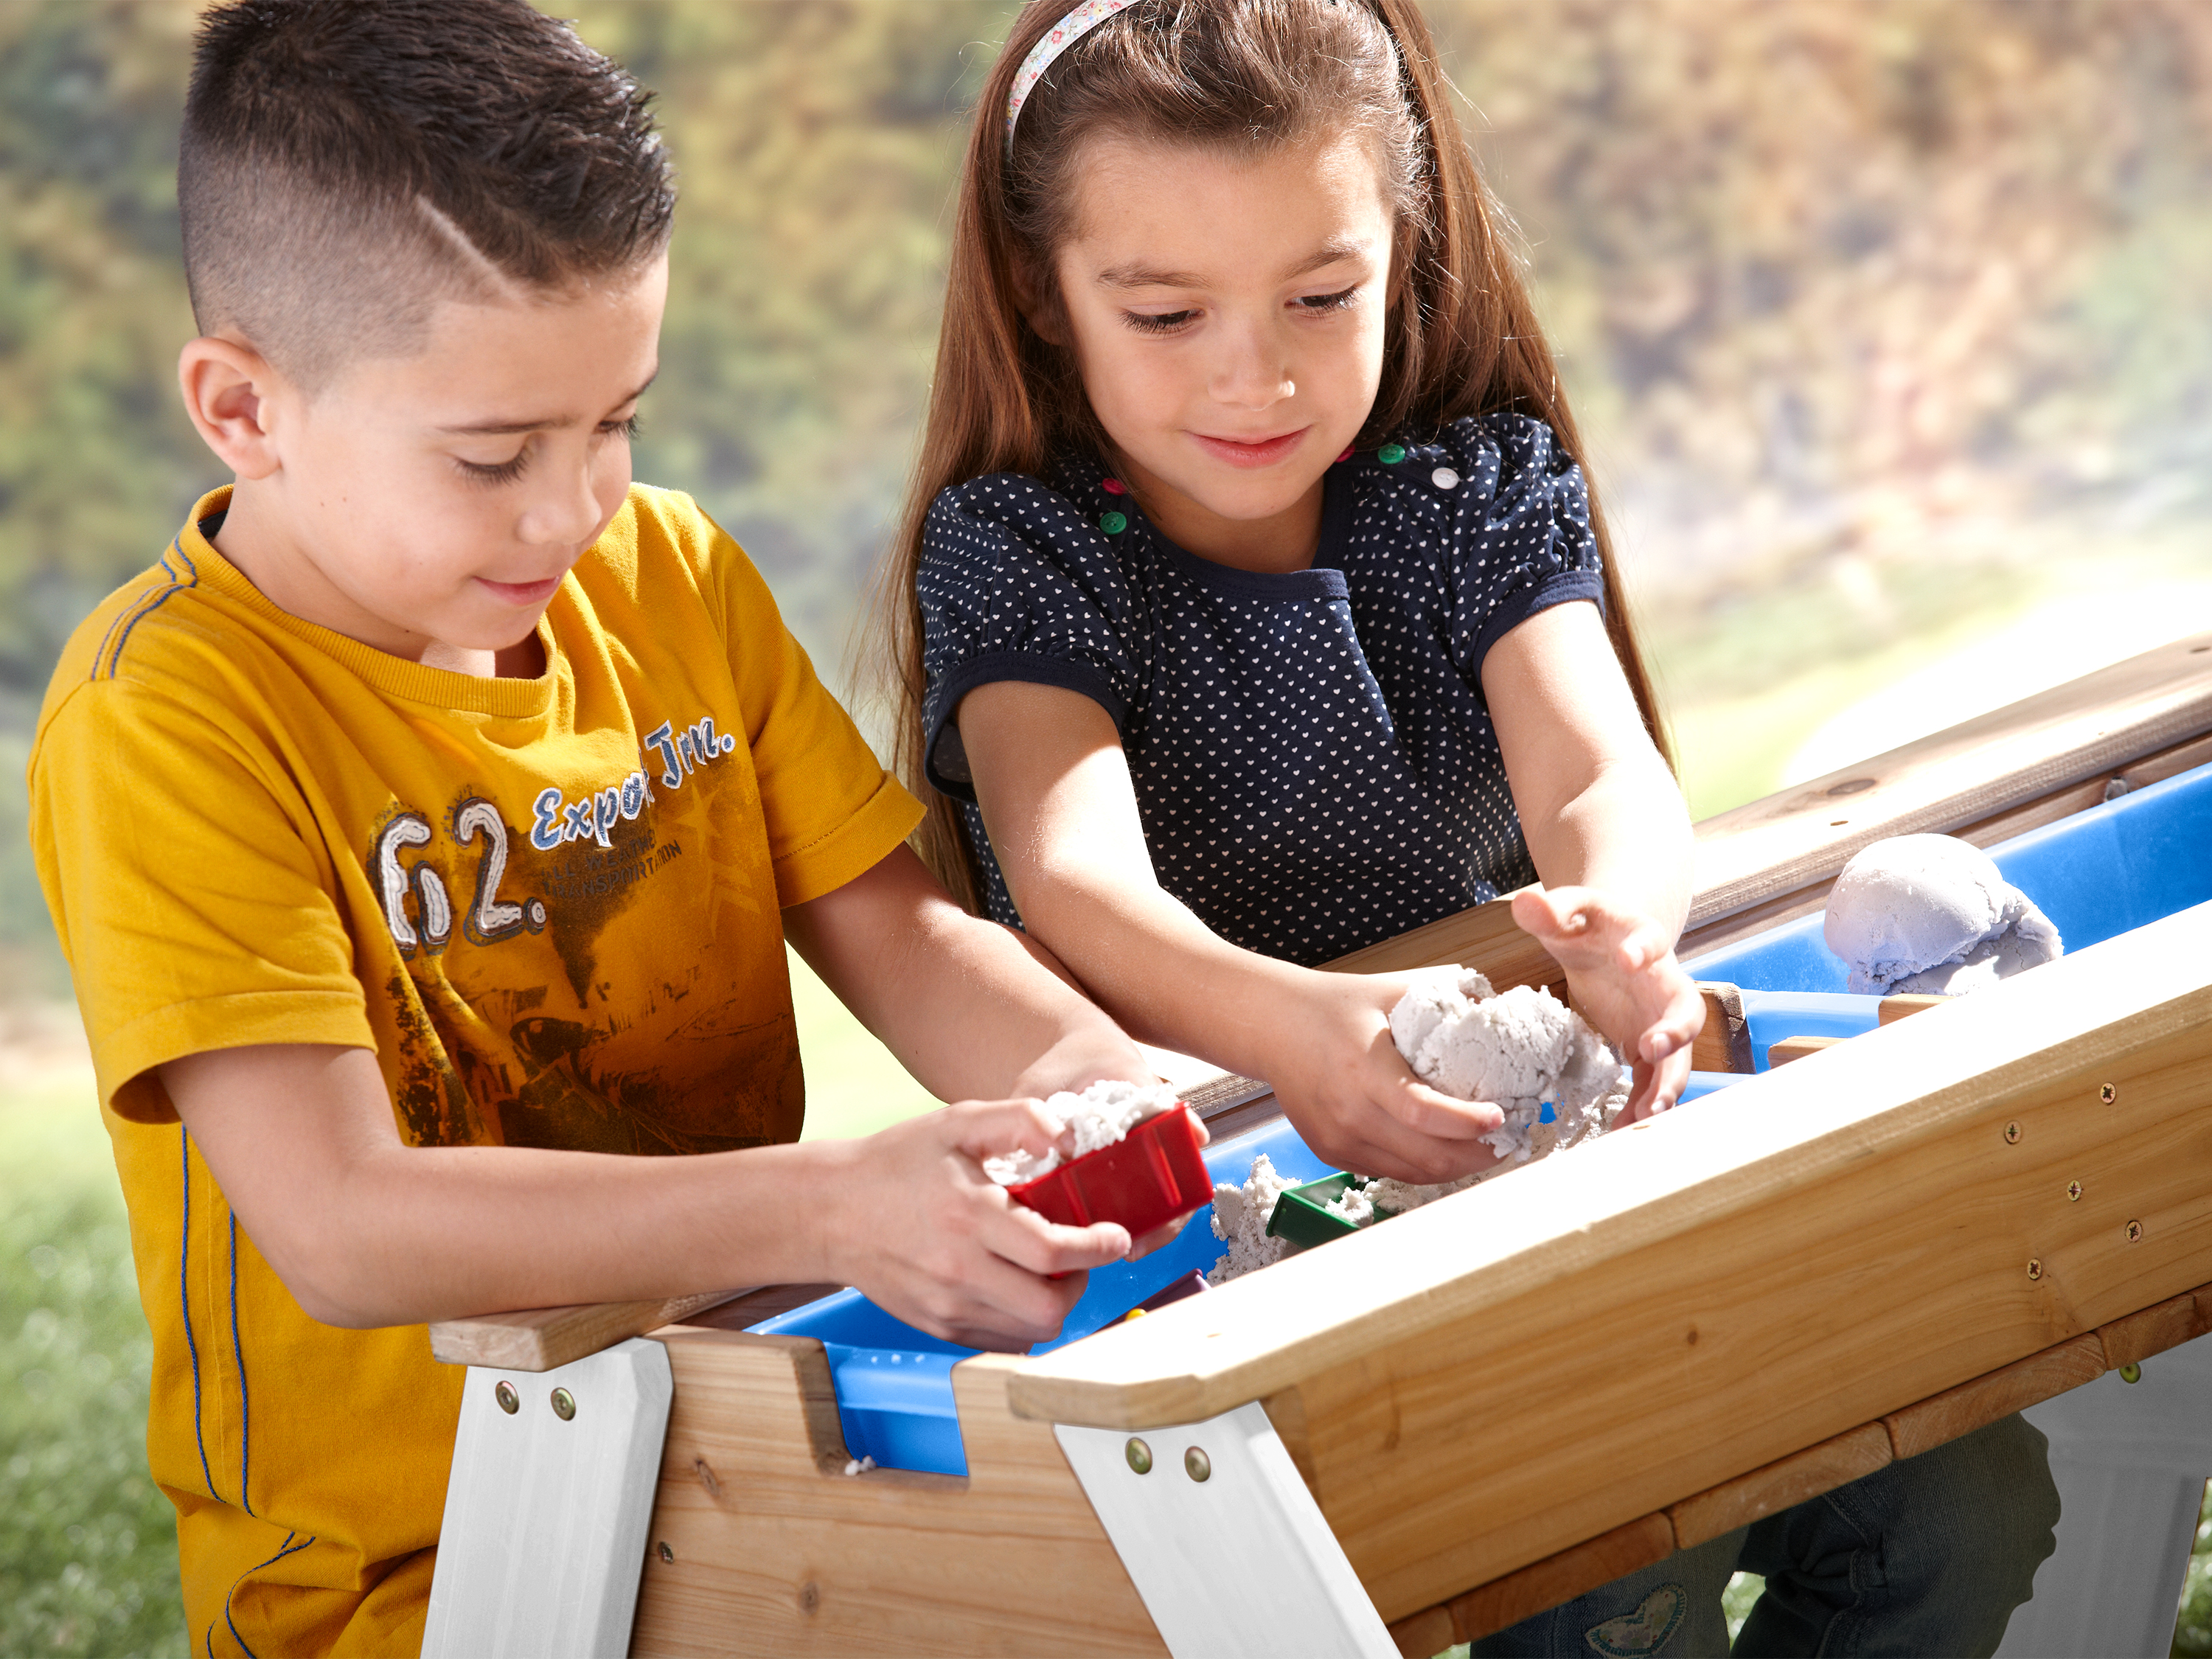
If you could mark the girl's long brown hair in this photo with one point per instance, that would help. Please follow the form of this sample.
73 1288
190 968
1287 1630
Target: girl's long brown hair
1463 338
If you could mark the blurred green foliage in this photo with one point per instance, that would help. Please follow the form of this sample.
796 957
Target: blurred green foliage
88 1543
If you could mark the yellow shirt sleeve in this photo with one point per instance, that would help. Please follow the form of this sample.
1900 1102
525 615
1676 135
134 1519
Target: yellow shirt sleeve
832 811
186 889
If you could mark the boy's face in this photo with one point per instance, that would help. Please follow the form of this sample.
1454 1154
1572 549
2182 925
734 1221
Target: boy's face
428 505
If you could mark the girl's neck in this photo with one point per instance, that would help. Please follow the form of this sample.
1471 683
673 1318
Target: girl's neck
1275 545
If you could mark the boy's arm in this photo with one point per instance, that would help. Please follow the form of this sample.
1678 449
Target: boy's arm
970 1008
1609 833
366 1231
1055 790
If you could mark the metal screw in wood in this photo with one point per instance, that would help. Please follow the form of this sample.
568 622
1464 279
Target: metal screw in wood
2074 1190
1139 1455
1197 1465
564 1405
2035 1267
2108 1093
668 1555
2012 1134
509 1401
2135 1232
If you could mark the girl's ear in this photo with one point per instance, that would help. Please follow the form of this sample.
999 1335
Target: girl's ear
1039 309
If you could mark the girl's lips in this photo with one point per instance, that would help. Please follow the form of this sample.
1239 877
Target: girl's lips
522 592
1264 453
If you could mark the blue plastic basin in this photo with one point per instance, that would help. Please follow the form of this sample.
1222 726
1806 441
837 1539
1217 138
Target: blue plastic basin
895 1383
2099 873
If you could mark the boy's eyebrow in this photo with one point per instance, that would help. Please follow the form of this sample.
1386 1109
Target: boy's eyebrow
1133 275
497 428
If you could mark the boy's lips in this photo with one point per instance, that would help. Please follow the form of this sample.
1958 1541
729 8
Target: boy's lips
1251 453
535 593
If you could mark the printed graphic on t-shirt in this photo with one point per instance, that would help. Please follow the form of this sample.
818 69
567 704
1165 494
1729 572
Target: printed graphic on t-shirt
494 1049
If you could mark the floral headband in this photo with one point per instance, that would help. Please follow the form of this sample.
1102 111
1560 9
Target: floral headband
1057 40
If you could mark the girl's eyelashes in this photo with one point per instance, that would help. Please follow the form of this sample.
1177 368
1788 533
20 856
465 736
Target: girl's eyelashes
1308 305
625 429
1158 322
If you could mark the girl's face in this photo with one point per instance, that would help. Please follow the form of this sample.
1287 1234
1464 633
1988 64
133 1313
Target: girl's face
1227 315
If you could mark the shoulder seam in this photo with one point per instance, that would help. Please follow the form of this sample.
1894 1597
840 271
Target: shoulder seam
109 657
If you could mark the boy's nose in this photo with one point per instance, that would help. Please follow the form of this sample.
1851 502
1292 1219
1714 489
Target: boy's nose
567 513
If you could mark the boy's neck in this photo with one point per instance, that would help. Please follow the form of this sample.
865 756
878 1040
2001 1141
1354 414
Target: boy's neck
259 544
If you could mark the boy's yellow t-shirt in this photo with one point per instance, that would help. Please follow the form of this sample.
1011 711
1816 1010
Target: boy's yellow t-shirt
550 907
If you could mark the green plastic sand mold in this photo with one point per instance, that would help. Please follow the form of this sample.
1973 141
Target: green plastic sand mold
1302 1215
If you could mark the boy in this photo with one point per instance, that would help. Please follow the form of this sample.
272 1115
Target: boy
419 829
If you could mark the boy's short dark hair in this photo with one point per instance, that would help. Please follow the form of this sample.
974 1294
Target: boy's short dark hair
346 164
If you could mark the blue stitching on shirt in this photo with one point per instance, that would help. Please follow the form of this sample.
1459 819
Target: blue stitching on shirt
244 1408
185 1302
115 662
290 1548
124 615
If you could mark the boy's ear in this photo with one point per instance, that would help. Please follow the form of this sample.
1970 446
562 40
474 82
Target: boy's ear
227 387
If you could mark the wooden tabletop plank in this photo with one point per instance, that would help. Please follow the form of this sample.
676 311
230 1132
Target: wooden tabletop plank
539 1339
2088 728
1573 1217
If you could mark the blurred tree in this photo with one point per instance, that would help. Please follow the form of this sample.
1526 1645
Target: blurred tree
97 461
817 142
1823 270
1826 274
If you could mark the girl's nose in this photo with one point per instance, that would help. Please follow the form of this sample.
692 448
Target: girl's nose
1254 370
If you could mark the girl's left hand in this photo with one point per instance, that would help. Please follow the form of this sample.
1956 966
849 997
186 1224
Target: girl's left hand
1623 977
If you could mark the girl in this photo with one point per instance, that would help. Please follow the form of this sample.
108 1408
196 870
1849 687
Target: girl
1270 625
1251 607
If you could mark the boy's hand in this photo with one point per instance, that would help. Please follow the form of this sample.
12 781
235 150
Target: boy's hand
1623 977
917 1225
1351 1095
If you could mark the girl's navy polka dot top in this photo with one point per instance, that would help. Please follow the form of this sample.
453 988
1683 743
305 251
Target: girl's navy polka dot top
1313 759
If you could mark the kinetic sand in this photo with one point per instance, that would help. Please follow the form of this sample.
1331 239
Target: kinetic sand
1933 915
1101 1115
1524 1052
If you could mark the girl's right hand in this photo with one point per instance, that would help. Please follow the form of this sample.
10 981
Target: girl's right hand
914 1222
1350 1094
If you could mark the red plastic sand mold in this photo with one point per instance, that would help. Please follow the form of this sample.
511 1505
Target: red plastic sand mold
1145 1179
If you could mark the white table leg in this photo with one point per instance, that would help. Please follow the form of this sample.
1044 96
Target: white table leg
2130 1461
1226 1546
546 1513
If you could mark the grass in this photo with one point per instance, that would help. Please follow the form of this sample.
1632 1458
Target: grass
87 1545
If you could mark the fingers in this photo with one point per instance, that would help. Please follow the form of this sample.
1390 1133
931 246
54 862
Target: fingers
1655 1086
994 1128
1438 1116
1372 1141
999 1307
1161 1237
1026 1240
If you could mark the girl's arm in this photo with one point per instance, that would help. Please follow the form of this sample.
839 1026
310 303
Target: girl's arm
1055 791
1610 836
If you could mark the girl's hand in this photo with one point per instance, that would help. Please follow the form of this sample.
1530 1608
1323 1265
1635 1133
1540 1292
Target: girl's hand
916 1225
1623 978
1350 1094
